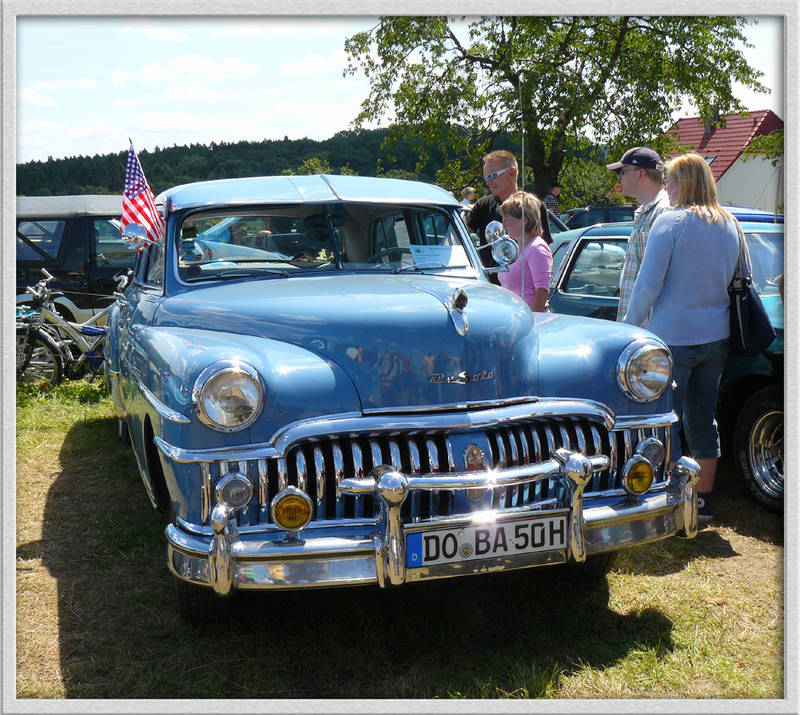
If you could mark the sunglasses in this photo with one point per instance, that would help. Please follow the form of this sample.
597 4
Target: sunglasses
621 171
491 177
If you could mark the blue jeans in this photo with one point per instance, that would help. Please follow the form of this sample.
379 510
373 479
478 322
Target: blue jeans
697 370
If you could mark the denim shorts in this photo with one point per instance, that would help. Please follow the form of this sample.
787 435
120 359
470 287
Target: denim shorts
697 370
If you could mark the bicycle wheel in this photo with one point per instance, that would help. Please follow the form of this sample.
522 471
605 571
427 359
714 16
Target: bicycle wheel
39 361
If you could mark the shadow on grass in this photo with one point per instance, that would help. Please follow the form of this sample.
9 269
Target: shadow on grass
121 637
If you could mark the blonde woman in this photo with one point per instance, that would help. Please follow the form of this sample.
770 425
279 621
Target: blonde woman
691 254
531 271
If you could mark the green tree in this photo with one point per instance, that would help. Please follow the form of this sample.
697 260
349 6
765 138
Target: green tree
312 165
461 85
769 146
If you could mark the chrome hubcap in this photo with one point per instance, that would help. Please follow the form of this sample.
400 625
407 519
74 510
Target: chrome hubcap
765 453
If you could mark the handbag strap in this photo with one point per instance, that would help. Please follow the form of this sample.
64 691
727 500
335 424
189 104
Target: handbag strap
743 260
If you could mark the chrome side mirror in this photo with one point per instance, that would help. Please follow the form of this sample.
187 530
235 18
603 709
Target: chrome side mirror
493 231
135 235
504 248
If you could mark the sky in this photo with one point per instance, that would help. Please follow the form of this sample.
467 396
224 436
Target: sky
85 85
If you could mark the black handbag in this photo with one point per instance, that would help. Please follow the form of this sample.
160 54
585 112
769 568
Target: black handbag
751 329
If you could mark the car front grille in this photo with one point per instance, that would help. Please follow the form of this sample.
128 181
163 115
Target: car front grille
316 465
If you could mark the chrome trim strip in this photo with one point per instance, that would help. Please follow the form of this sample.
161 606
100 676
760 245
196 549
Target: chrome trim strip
642 421
166 412
450 406
355 423
205 492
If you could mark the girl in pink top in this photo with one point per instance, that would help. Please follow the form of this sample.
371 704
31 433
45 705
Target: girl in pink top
535 259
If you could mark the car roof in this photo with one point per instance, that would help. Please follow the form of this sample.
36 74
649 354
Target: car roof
623 229
745 213
66 206
294 189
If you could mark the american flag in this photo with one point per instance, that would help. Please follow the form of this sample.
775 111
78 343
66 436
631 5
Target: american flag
138 202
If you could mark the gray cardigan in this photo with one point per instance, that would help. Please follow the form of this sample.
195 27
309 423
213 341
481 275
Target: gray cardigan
683 280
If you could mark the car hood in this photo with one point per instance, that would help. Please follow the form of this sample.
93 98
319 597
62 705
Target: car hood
396 337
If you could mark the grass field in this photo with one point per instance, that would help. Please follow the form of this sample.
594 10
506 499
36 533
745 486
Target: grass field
96 618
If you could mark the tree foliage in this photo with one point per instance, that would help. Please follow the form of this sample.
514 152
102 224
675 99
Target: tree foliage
555 81
348 152
767 146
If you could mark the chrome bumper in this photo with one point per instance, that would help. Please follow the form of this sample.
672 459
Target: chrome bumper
354 555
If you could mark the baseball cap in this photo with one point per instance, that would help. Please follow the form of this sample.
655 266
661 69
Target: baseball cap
640 156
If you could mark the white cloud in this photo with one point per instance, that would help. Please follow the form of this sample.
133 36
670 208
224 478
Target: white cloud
196 93
185 69
120 79
130 101
58 84
29 96
314 64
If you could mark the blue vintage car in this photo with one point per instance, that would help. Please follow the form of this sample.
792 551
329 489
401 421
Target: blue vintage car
322 388
587 265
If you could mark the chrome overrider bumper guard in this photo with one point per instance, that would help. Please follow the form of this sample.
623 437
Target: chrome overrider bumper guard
354 555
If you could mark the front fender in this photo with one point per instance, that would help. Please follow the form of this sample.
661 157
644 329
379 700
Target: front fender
578 358
297 383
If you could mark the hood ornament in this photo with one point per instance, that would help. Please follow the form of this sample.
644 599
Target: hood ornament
455 305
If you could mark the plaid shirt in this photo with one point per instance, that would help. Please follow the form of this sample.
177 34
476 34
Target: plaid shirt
643 219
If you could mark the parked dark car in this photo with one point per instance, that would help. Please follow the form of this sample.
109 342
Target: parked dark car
587 264
77 239
590 215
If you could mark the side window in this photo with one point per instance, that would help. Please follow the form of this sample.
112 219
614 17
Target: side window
44 235
390 232
109 248
558 256
154 274
437 230
596 268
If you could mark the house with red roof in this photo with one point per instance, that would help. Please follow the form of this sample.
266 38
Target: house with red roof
755 182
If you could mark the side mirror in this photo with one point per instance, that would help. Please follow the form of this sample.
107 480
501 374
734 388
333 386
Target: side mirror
135 235
504 248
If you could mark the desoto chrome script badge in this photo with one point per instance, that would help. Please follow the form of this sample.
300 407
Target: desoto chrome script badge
462 378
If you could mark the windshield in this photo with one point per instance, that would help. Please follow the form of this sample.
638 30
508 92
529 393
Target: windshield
319 239
766 259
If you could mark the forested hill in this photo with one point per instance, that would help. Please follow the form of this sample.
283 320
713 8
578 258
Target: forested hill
346 152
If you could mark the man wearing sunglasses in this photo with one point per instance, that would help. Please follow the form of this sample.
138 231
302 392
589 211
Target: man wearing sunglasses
639 171
500 174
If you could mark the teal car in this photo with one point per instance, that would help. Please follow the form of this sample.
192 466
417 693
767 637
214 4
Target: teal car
586 267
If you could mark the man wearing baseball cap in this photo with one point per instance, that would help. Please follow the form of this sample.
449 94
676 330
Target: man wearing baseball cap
639 171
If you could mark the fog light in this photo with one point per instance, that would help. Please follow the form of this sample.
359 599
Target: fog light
637 475
235 489
291 509
652 450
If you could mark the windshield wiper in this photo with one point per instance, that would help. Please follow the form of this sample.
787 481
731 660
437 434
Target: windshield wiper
245 272
419 269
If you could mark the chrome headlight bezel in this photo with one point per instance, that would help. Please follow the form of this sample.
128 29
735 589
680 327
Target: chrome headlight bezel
210 379
629 364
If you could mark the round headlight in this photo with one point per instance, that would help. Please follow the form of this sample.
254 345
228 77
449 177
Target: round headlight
228 396
644 370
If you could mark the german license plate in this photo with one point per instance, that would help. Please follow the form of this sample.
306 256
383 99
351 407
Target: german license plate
484 541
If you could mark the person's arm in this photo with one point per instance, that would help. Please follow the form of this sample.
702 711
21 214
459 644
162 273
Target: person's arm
650 279
540 262
539 300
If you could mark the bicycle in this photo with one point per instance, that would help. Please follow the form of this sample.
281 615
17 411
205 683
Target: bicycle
49 347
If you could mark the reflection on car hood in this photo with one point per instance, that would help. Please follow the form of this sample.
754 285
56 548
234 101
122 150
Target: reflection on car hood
393 335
